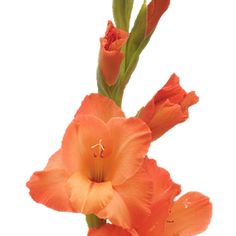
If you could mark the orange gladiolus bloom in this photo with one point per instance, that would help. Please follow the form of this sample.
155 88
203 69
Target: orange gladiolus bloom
110 57
168 107
155 10
189 215
99 168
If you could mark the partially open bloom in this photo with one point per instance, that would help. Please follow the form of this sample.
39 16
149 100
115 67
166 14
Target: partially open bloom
110 57
99 168
189 215
167 108
155 10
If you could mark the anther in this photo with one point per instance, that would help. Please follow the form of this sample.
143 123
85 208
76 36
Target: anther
101 149
170 221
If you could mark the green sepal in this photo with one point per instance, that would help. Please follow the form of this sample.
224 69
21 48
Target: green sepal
137 34
136 43
114 92
134 59
103 88
121 12
94 222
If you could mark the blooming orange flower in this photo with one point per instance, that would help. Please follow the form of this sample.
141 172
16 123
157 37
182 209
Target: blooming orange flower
167 108
189 215
154 12
99 168
110 57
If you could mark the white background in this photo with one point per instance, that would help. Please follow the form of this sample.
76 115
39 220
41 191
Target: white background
48 59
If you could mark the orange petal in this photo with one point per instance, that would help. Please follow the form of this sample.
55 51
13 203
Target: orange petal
190 215
155 10
86 196
109 62
190 99
48 186
171 91
99 106
162 182
117 211
80 137
131 201
131 140
108 229
115 38
55 162
167 115
165 191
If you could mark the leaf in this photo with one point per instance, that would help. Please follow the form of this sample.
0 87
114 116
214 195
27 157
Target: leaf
137 34
133 62
121 12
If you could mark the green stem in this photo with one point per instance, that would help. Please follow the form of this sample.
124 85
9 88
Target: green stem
94 222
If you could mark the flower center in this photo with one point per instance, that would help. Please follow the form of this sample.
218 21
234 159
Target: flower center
97 169
99 152
111 37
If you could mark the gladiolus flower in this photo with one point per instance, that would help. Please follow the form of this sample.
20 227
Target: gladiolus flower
167 108
99 168
155 10
189 215
110 57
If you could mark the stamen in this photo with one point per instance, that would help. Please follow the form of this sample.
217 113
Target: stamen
170 221
101 149
187 203
97 168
